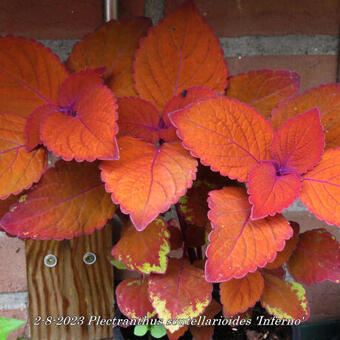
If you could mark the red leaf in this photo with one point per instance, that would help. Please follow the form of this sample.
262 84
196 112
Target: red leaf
138 118
283 256
69 201
6 204
133 298
30 76
285 300
147 179
144 251
19 168
213 308
175 240
279 272
88 135
228 135
263 89
180 293
321 188
193 206
179 102
202 333
239 295
112 46
180 52
326 98
194 236
271 192
316 258
239 245
299 143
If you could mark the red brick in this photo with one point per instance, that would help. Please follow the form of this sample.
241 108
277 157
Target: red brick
324 301
314 70
12 264
50 19
19 314
268 17
130 8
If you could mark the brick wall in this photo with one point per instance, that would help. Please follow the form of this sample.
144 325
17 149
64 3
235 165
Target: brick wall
299 35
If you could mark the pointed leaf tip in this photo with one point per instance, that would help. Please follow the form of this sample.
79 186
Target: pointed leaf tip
241 240
211 123
171 59
147 179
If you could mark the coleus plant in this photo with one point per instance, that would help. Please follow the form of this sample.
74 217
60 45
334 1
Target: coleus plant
136 115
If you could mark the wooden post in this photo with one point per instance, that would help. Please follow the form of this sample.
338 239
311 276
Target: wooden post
71 288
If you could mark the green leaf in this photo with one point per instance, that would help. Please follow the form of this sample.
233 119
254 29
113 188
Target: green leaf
8 325
140 330
158 331
118 265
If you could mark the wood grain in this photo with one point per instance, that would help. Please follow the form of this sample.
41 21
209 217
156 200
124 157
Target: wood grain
71 288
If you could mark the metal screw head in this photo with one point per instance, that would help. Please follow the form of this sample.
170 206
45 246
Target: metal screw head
50 260
89 258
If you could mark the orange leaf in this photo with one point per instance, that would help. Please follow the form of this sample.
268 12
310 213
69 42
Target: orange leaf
133 298
138 118
88 133
263 89
321 188
147 179
144 251
285 300
228 135
19 168
299 143
70 92
180 52
179 102
326 98
112 46
270 192
239 245
30 76
316 258
77 85
69 201
239 295
284 255
180 293
33 123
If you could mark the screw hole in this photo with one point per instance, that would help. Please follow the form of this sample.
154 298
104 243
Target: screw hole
50 260
89 258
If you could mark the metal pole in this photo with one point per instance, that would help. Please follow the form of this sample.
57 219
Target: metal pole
111 10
